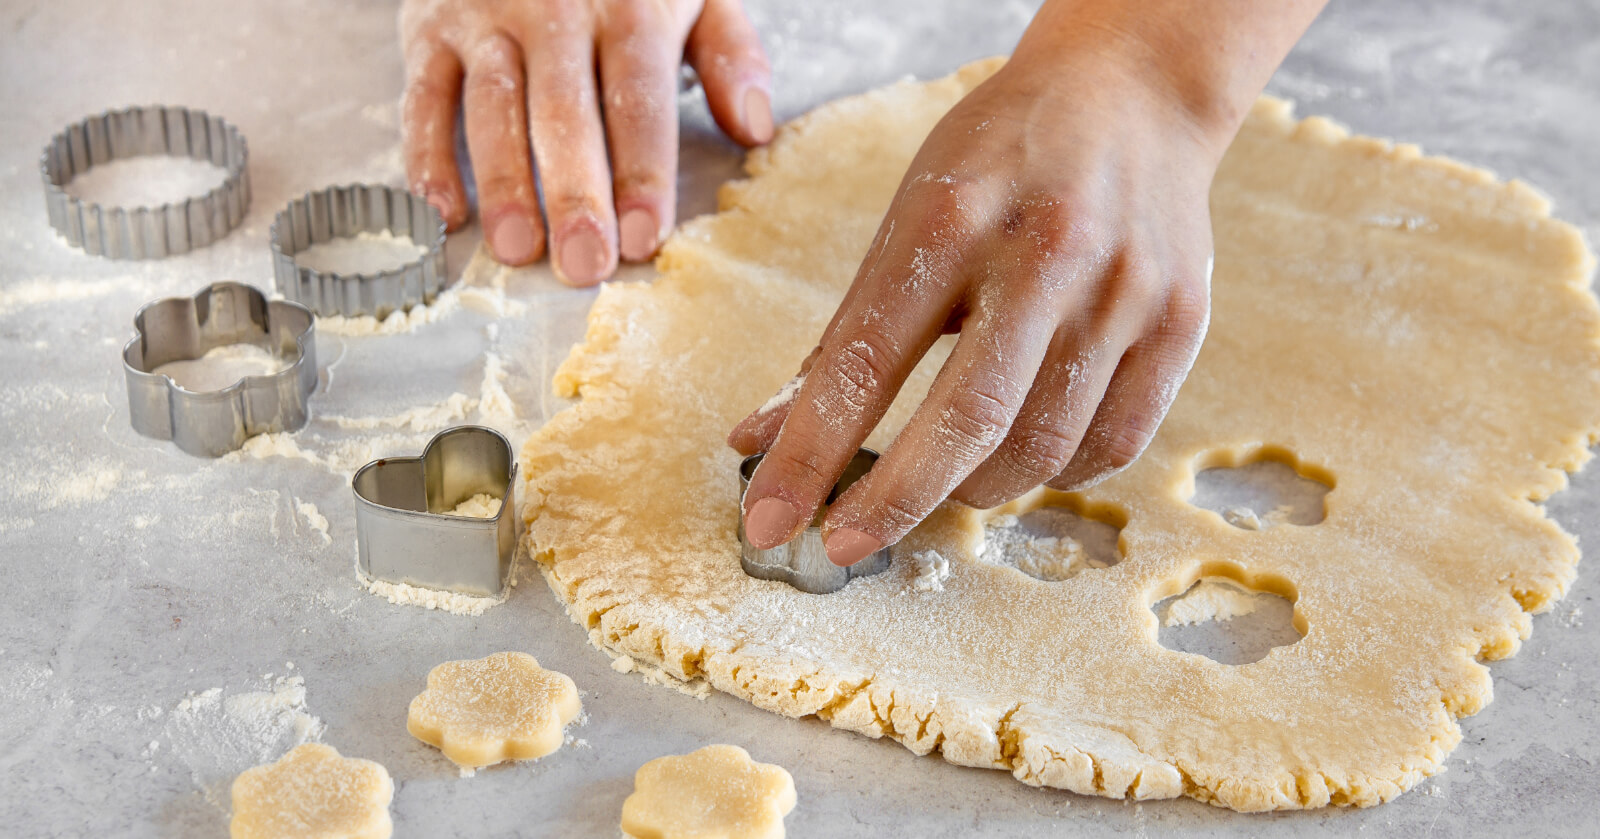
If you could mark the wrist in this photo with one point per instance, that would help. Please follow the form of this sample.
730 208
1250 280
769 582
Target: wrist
1199 69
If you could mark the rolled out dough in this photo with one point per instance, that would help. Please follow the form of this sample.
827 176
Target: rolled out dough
1440 374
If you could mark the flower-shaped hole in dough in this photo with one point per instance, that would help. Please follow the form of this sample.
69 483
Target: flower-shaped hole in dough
312 793
487 710
716 792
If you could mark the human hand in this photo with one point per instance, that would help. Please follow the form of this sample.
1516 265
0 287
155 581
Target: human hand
1058 219
579 79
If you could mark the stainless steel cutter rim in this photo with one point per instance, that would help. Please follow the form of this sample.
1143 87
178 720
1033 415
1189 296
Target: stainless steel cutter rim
149 231
446 518
344 212
180 418
800 562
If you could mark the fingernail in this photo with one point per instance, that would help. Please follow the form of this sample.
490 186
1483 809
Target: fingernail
847 547
513 239
637 229
770 522
758 114
583 258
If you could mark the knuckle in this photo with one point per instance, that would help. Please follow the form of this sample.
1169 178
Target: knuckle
798 473
1127 438
1037 453
902 513
505 187
975 419
641 180
861 366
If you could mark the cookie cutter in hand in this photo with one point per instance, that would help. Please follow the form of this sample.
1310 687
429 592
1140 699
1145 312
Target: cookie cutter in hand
215 422
404 533
803 562
146 232
343 212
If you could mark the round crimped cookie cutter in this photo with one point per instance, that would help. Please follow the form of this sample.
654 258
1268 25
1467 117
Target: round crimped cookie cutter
344 212
803 562
146 232
215 422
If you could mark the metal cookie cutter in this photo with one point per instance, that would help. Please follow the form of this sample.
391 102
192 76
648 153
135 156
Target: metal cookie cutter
212 423
146 232
343 212
404 531
803 563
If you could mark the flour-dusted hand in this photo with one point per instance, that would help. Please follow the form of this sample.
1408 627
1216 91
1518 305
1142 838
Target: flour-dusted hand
592 85
1057 219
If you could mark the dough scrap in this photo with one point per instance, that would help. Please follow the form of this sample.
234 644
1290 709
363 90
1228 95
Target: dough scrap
1442 374
313 793
1211 599
716 792
487 710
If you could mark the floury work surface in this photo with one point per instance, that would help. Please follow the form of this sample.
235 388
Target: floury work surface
170 621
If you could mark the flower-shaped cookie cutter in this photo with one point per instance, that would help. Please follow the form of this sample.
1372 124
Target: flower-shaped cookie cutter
215 422
803 562
405 532
146 232
344 212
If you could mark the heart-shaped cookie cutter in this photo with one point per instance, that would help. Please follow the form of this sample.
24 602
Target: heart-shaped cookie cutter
803 562
404 531
215 422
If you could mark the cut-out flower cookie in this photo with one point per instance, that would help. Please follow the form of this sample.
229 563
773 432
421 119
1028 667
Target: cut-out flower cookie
502 707
716 792
313 793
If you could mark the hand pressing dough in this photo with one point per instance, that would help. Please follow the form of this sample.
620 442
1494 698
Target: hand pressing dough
487 710
312 793
716 792
1443 373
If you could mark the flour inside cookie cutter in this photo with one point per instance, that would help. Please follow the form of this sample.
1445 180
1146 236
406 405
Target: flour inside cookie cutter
404 532
344 212
215 422
803 562
146 232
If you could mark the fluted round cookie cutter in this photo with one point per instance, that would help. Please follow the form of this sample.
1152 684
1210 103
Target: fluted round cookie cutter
215 422
146 232
803 561
344 212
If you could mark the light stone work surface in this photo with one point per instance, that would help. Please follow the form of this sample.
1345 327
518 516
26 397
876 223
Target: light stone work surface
168 622
1440 375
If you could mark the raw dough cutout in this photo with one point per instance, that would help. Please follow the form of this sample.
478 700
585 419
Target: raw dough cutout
312 793
1226 621
1444 373
487 710
1056 542
717 792
1265 488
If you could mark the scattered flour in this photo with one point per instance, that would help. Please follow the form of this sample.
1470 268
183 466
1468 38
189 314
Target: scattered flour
784 396
445 601
932 569
315 519
221 367
71 484
146 181
453 409
494 403
480 506
363 253
217 735
1048 558
1212 599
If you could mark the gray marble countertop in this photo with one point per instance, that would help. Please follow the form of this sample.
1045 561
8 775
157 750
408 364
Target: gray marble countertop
154 602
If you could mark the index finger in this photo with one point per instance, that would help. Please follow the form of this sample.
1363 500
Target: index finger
883 327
